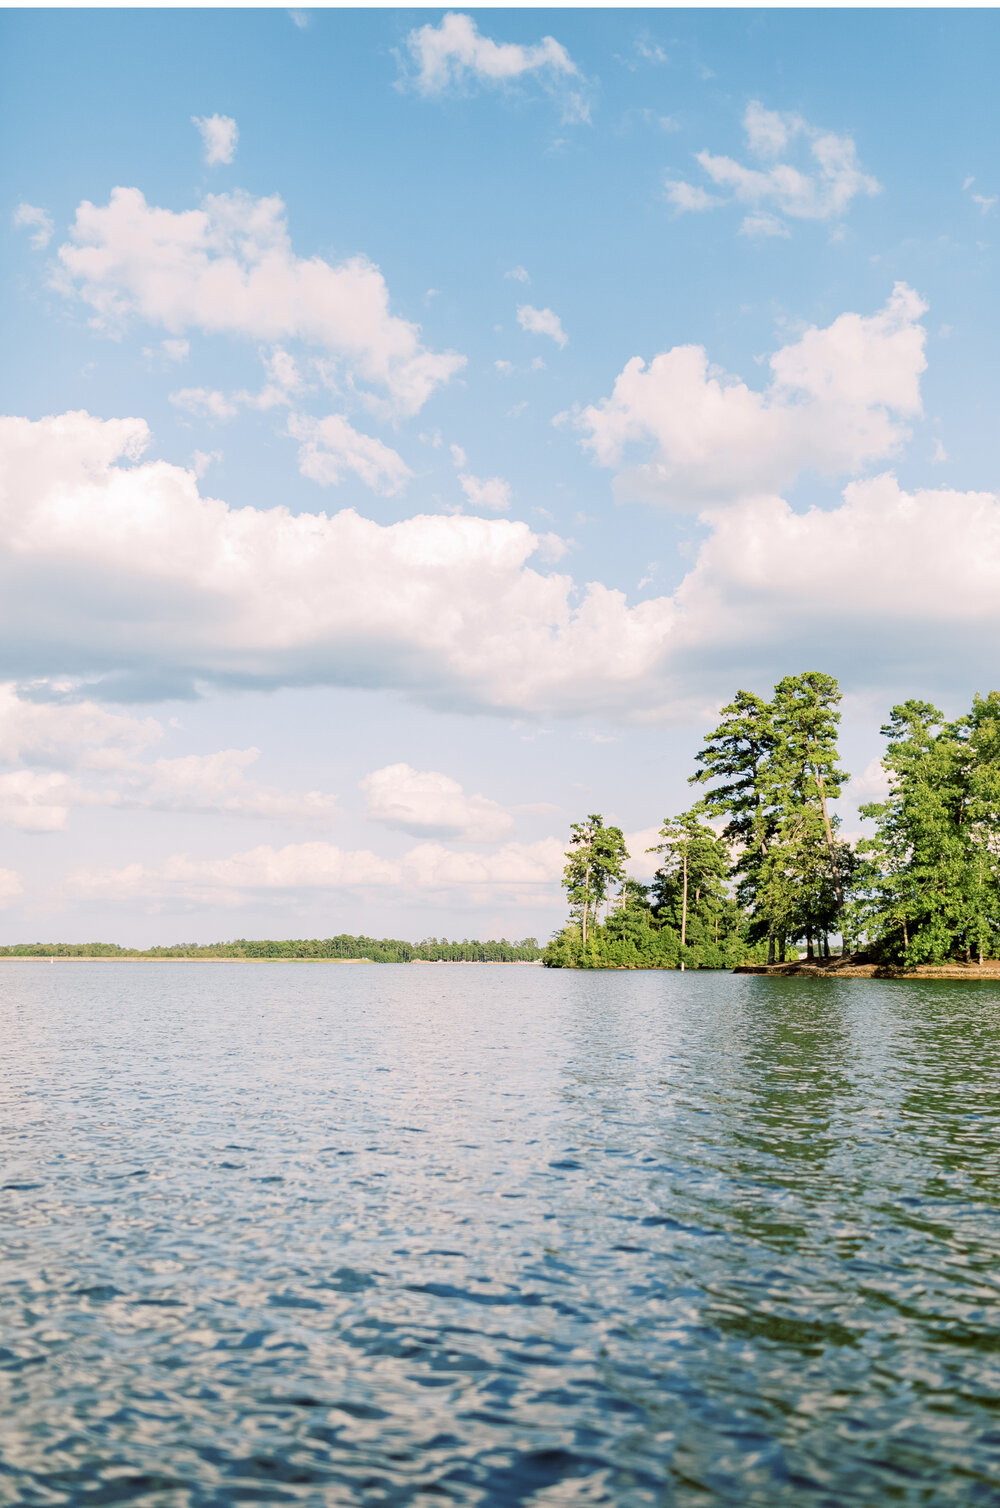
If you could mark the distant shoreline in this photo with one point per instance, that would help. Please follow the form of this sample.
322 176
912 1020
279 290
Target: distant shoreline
465 963
343 948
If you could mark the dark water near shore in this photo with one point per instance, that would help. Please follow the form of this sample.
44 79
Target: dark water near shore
389 1235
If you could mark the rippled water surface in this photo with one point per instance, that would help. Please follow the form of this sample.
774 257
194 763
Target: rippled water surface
308 1233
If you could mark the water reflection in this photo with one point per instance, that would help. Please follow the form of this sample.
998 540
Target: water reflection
497 1236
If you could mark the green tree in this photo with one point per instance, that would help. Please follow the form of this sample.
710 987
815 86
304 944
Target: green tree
595 861
694 870
806 718
740 757
775 770
932 869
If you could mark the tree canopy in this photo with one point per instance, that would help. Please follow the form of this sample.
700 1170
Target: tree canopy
757 866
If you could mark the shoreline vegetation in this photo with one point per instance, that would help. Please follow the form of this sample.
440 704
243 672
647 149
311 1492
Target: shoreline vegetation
757 867
342 949
857 966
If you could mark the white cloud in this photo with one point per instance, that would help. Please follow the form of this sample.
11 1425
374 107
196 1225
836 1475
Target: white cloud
902 584
205 403
688 196
520 274
202 460
176 350
329 447
219 135
218 783
768 132
821 189
37 801
39 222
871 785
425 803
542 322
128 570
229 268
762 224
486 492
10 886
82 733
518 873
98 751
837 401
455 51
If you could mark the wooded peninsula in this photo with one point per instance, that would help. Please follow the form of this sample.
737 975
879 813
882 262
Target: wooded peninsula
757 866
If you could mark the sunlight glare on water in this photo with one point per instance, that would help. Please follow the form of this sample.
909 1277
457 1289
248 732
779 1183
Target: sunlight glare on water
308 1233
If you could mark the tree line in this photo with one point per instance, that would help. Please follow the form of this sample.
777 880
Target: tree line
757 867
369 949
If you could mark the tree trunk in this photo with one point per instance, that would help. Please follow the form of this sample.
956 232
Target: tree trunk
770 946
809 945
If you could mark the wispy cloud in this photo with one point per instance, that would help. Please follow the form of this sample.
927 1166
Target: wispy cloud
542 322
38 221
455 55
821 188
219 135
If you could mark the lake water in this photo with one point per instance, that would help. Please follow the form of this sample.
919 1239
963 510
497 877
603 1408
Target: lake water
375 1234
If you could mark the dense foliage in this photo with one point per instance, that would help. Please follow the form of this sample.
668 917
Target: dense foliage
928 884
771 871
757 866
371 949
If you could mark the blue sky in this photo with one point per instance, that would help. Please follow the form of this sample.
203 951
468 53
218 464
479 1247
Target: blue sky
419 422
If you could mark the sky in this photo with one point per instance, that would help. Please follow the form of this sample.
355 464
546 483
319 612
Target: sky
417 424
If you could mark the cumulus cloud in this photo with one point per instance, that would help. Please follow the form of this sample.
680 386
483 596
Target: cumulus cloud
78 753
455 52
838 400
518 873
486 492
542 322
219 135
10 886
56 731
902 566
228 268
822 189
39 222
127 570
218 783
39 801
330 447
425 803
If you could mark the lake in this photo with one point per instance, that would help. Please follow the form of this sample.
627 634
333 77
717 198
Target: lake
386 1234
